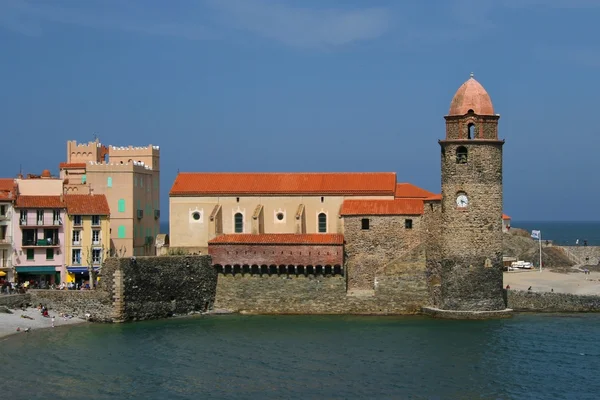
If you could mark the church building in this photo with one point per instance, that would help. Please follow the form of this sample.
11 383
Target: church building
366 227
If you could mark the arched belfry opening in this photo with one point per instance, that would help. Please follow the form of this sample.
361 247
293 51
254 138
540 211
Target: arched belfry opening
471 131
462 155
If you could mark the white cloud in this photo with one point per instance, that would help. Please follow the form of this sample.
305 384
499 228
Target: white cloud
302 27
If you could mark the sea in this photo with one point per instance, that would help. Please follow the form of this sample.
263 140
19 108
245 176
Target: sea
561 233
530 356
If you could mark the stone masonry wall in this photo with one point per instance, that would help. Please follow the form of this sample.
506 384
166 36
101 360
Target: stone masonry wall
551 302
15 300
383 249
158 287
280 294
432 237
96 303
589 255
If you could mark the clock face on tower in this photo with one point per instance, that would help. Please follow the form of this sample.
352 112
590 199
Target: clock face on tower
462 201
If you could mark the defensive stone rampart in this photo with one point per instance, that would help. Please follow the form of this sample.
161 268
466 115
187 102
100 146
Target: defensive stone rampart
551 302
136 289
158 287
281 294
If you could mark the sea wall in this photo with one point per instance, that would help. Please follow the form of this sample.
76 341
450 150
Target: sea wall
551 302
15 300
95 305
317 294
139 288
159 287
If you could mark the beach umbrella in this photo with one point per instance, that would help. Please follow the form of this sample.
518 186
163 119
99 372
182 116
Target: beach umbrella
2 273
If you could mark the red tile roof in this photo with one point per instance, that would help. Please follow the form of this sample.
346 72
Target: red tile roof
280 238
7 186
504 216
39 202
382 207
408 190
64 165
87 204
347 183
435 197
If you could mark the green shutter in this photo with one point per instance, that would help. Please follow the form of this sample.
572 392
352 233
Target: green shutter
121 205
121 231
83 178
109 181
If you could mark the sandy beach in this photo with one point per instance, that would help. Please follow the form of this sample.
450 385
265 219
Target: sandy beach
545 281
10 322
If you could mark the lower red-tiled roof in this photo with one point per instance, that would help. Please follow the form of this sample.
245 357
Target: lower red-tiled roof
382 207
87 204
408 190
435 197
64 165
504 216
39 202
280 238
7 189
341 183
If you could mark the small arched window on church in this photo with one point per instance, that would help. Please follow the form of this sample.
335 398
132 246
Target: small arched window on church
462 155
322 223
239 223
471 131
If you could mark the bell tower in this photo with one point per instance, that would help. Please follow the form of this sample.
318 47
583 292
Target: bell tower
471 234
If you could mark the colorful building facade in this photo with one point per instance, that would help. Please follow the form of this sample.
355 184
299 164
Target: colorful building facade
129 177
6 228
87 234
38 238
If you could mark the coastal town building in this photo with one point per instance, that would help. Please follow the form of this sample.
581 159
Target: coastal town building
7 199
87 235
129 177
505 223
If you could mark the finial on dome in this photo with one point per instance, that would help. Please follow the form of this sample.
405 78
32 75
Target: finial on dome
472 74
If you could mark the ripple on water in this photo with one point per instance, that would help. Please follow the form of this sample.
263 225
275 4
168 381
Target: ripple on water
300 357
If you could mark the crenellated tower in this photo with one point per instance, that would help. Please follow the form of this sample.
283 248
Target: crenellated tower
471 234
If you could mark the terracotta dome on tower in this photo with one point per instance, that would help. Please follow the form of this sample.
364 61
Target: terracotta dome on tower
471 96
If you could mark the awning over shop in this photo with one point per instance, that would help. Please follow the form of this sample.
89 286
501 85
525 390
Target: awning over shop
36 270
78 270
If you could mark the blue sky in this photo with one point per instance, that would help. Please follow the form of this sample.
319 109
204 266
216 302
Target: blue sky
311 85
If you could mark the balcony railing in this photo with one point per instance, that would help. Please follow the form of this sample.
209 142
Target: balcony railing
5 240
40 222
96 242
41 243
76 242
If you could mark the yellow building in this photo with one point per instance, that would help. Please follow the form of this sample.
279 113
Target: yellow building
130 179
87 234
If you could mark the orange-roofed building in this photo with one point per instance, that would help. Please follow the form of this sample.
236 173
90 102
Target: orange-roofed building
505 223
7 198
87 235
206 205
38 234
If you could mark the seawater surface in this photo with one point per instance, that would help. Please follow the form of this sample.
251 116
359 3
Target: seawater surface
533 356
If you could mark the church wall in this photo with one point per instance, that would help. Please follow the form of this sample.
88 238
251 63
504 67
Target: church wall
188 233
432 237
386 248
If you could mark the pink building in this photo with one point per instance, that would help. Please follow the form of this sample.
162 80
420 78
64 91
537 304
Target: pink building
38 237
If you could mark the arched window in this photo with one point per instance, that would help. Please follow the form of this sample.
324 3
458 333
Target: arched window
239 223
471 132
322 223
462 155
